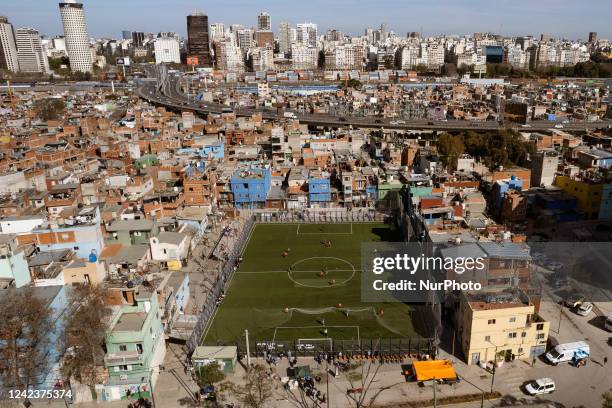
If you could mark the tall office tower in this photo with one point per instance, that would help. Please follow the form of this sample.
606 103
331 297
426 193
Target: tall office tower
307 34
217 32
126 35
198 43
284 38
138 38
264 22
383 32
75 33
32 57
8 47
545 37
592 37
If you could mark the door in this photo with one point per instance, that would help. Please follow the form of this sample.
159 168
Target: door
536 351
475 358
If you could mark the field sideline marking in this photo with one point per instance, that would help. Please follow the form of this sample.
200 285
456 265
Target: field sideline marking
229 283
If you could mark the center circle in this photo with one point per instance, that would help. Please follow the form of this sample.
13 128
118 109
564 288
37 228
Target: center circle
325 282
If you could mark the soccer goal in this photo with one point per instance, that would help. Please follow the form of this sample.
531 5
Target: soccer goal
315 345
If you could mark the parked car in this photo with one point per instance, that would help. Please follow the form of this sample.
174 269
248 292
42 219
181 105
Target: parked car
559 126
608 323
540 386
574 300
584 309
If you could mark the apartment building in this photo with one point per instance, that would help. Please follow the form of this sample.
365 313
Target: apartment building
500 326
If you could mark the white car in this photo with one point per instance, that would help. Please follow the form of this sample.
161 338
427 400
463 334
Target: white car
554 266
540 386
584 309
559 126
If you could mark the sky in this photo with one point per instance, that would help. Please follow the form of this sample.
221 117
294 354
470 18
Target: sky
571 19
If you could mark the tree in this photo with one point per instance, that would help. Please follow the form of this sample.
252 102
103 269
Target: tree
257 390
210 374
606 400
362 376
84 333
25 329
450 148
49 108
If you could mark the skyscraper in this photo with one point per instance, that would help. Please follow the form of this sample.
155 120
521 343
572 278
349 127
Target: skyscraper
264 22
32 57
307 34
198 43
592 37
8 47
137 38
284 38
77 39
126 35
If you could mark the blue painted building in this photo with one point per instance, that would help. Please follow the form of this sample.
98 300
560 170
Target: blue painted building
13 263
82 235
319 189
209 150
500 188
250 187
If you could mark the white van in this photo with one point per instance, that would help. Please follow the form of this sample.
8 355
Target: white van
608 323
567 351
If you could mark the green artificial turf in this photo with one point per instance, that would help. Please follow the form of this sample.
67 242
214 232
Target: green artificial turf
280 297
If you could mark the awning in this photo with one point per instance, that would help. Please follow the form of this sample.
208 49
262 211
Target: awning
433 369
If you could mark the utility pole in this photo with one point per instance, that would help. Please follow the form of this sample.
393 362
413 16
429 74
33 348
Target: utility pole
248 353
434 387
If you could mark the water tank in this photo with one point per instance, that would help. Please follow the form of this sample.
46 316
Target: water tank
93 257
513 177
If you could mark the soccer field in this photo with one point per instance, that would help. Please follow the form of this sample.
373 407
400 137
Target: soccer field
302 281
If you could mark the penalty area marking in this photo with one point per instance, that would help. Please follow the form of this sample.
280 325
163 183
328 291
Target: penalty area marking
316 327
350 232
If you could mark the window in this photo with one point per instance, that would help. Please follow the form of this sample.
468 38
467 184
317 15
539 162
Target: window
122 347
541 336
520 350
540 326
139 348
123 368
512 335
512 319
491 321
524 334
487 338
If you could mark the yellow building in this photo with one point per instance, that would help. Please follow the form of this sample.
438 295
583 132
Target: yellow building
587 192
500 325
81 271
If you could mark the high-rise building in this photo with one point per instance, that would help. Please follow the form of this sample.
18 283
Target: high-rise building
8 47
264 38
126 35
228 56
307 34
32 57
138 38
75 33
198 40
592 37
284 38
264 22
217 32
167 50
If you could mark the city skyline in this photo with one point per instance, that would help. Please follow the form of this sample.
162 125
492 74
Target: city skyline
562 18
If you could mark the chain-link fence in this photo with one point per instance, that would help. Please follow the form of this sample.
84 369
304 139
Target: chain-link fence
213 299
410 346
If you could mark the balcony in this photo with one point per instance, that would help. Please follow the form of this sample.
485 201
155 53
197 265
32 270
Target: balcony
123 358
